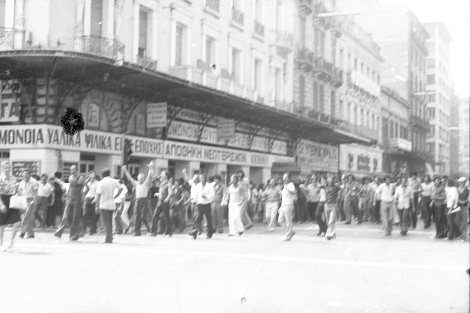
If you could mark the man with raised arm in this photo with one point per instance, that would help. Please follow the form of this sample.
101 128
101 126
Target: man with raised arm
142 186
205 195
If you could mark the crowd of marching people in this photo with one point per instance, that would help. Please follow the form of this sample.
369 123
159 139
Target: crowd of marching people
163 205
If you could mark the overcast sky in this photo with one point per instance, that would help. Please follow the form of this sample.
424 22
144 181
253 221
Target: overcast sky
455 14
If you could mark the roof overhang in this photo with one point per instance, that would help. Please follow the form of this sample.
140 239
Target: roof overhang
127 78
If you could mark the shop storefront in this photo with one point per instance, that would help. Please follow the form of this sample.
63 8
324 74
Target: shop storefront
360 161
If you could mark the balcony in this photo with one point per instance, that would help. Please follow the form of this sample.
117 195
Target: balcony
323 69
337 79
358 130
259 29
305 60
283 43
146 63
238 18
212 6
305 6
362 82
400 144
418 122
100 46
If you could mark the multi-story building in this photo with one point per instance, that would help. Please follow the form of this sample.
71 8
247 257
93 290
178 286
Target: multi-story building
438 90
196 84
358 109
464 137
454 132
402 39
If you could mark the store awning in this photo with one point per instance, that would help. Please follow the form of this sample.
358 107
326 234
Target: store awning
127 78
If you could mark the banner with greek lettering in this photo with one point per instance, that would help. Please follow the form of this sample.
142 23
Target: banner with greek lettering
225 128
360 159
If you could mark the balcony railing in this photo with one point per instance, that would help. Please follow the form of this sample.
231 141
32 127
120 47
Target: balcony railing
238 18
100 46
146 63
358 130
305 60
305 6
213 5
364 83
259 29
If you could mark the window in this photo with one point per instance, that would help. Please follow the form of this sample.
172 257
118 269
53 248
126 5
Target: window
430 79
259 11
355 64
235 66
302 90
237 4
431 112
257 74
302 32
2 13
180 44
319 42
349 65
341 58
322 98
349 112
96 18
143 28
316 96
210 50
278 86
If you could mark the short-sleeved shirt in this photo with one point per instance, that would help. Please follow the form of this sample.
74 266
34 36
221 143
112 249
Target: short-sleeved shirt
92 189
45 190
106 188
427 189
288 194
28 189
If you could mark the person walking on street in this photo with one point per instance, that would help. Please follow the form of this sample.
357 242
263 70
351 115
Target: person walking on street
426 193
45 190
90 218
403 197
163 206
464 198
415 186
8 216
272 193
141 187
331 199
106 190
286 211
320 216
439 204
120 216
385 194
73 206
234 198
57 208
205 196
28 188
217 208
247 222
453 211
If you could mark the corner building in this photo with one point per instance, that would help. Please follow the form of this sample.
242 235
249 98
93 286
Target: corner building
206 61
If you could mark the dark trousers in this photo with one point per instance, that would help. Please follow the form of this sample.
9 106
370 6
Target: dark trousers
201 211
377 211
72 209
312 208
141 211
90 218
404 215
164 209
118 229
107 220
441 220
414 210
320 218
426 210
453 222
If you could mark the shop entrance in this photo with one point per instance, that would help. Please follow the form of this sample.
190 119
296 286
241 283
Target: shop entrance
87 163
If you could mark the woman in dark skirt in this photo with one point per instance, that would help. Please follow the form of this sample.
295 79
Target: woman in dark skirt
8 187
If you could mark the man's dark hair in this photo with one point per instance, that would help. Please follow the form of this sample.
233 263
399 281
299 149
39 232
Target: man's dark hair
240 173
58 175
106 172
217 177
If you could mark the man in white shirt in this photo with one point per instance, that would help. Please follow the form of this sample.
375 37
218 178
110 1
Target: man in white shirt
385 193
142 186
105 202
28 188
403 197
286 211
120 217
43 200
205 195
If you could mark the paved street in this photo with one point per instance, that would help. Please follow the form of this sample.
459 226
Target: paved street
360 271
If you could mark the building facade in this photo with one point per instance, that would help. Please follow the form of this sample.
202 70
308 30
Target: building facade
454 134
402 39
220 73
438 86
464 137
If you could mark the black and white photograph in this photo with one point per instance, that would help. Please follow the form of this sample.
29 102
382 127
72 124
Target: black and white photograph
235 156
